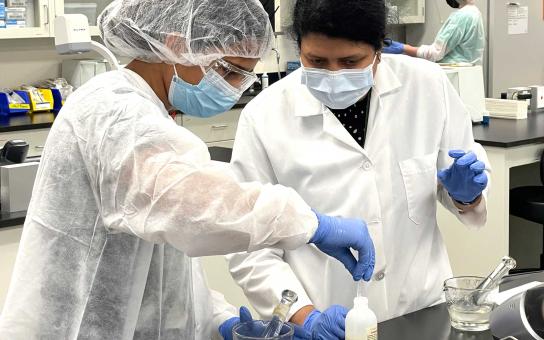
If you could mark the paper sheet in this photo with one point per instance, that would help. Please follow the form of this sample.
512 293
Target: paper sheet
518 19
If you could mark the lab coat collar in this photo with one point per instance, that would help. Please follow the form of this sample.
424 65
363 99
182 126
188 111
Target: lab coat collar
307 105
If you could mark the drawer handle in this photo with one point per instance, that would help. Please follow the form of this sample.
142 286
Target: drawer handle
219 127
39 147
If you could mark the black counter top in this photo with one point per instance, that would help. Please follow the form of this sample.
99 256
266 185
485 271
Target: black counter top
433 323
245 99
507 133
26 122
12 219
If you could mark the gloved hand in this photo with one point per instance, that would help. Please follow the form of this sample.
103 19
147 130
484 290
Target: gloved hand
395 48
335 236
245 316
465 179
328 325
226 327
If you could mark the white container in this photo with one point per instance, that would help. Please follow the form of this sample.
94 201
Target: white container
361 322
87 9
264 81
16 3
15 17
16 13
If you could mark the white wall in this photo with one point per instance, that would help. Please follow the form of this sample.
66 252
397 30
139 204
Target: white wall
25 61
515 60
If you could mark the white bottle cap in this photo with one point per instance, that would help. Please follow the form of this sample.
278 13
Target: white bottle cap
360 301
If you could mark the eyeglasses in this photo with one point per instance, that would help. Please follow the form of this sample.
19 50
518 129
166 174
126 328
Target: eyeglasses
235 76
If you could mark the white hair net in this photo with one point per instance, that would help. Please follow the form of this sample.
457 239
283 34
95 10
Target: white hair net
188 32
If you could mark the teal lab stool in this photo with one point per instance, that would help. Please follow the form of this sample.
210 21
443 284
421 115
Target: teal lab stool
528 203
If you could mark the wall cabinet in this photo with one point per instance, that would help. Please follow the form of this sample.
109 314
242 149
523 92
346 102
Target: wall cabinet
41 17
39 21
407 11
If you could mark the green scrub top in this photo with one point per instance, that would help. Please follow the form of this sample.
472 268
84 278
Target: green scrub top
463 36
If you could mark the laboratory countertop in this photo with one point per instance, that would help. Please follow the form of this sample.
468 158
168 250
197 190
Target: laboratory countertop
12 219
27 122
504 133
433 323
507 133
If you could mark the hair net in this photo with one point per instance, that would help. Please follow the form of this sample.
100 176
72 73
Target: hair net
189 32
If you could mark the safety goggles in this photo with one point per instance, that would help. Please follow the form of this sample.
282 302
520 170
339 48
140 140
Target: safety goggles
240 79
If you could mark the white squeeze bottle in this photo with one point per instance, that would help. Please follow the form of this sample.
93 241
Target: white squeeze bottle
361 322
264 81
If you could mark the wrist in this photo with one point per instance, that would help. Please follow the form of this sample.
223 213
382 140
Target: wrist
464 206
299 318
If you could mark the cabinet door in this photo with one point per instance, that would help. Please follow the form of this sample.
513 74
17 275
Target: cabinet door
215 129
91 9
32 20
409 11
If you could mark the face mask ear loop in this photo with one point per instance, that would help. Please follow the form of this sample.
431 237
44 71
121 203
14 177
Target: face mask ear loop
175 71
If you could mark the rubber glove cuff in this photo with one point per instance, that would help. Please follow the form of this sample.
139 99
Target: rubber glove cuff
322 228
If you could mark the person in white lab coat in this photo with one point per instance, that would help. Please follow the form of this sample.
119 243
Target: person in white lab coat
124 197
364 135
461 38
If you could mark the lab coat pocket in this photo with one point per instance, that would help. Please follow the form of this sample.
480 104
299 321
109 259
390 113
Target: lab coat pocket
419 177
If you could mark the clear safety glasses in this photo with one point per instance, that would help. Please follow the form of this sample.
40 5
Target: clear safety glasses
240 79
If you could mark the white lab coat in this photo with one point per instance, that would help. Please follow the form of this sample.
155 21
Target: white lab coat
286 136
121 196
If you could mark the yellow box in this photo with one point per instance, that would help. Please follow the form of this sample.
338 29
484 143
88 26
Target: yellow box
46 105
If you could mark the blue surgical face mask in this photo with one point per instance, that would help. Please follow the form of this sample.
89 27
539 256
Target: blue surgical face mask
338 89
212 96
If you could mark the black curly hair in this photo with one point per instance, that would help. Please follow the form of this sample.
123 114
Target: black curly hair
354 20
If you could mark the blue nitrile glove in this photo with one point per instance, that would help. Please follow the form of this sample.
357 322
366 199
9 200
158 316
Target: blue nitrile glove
335 236
328 325
226 327
395 48
465 179
245 316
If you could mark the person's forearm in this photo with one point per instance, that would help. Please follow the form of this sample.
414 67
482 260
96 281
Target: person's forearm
301 315
410 50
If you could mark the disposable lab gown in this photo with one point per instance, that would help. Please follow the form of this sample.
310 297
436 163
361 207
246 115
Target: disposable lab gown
460 39
286 136
122 198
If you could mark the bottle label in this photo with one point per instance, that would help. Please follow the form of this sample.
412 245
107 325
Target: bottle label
372 333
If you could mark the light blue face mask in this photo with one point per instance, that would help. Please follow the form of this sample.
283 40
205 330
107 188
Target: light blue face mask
339 89
212 96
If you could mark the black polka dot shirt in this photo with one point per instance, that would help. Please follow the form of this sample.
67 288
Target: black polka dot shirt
355 119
